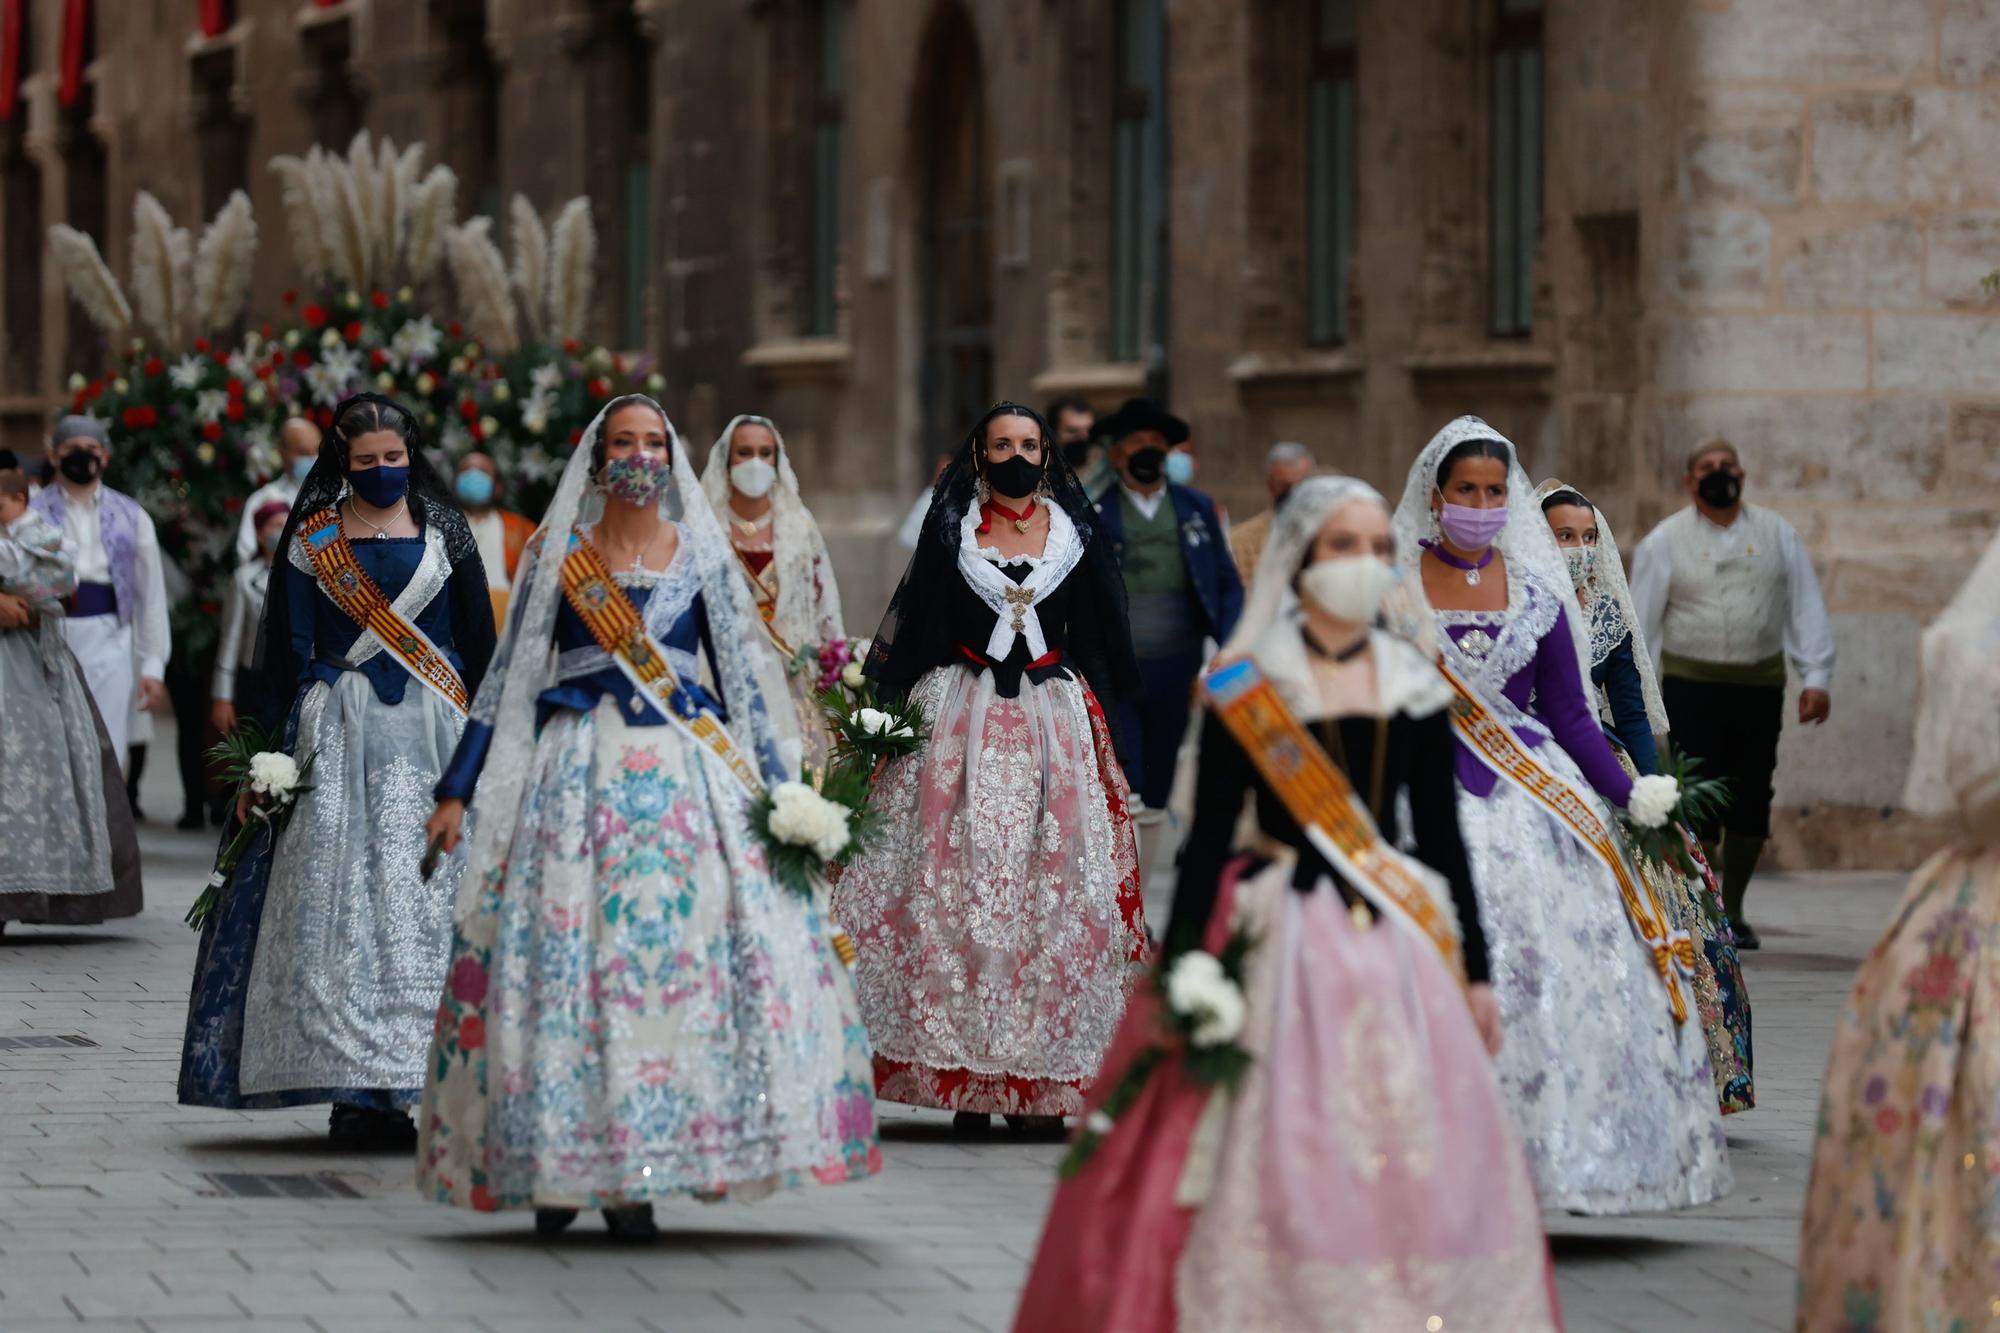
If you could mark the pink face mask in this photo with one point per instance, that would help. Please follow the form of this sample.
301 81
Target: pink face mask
1471 529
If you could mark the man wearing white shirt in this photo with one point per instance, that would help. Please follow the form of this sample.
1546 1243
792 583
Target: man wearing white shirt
117 617
1726 596
298 443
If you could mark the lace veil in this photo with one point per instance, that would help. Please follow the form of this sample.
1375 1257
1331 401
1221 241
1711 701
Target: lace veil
1526 542
808 611
1610 610
751 678
1957 756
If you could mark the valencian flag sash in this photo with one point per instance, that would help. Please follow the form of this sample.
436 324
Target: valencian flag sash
1319 797
1501 750
620 631
343 580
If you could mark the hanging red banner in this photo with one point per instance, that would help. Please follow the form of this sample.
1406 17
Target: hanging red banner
75 51
10 57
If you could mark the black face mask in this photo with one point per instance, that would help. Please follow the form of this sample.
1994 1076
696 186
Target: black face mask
80 467
1076 453
1720 490
1146 465
1015 478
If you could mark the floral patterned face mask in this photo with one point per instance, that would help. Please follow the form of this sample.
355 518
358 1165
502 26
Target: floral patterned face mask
636 478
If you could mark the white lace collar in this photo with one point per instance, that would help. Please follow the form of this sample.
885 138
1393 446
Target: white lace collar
1013 604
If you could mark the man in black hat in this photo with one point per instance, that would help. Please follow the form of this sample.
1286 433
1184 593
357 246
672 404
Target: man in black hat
1181 583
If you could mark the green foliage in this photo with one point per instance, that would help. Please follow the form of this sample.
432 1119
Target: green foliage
1700 800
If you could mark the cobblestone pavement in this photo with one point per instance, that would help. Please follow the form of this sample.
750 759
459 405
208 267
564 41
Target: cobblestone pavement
121 1210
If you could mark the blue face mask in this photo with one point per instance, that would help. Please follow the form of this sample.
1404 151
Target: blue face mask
380 486
474 487
1180 468
300 467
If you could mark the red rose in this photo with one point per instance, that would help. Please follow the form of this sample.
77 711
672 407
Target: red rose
455 329
599 388
95 391
474 429
76 403
353 331
377 359
472 1033
232 502
290 297
201 345
618 365
468 410
235 409
314 316
571 346
154 365
302 358
380 300
234 388
212 432
131 418
575 438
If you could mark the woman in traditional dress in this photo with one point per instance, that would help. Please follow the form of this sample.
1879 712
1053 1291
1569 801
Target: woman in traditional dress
1370 1017
635 1009
998 919
1629 706
1900 1230
1606 1074
318 976
755 494
70 855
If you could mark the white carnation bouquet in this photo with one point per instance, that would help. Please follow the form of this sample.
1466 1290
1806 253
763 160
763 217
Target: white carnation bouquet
807 829
1201 1021
1664 805
269 783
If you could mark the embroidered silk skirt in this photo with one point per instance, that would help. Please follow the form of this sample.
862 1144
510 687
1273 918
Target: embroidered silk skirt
318 977
634 1009
998 918
1363 1176
1902 1229
1614 1101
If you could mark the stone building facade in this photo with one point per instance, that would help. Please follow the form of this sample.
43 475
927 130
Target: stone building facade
1612 227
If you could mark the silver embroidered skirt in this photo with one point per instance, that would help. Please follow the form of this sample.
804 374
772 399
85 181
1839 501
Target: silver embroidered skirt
351 952
58 841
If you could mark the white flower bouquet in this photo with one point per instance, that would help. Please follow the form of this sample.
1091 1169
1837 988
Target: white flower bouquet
806 830
868 731
249 760
1664 805
1201 1021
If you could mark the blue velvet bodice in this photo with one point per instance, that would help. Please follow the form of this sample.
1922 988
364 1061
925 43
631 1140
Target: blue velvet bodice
1618 676
320 630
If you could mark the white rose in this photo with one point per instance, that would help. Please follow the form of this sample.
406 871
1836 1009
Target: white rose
1198 989
1099 1123
291 337
1653 799
501 393
330 338
874 721
1221 1022
1193 975
76 382
851 677
385 382
273 773
802 817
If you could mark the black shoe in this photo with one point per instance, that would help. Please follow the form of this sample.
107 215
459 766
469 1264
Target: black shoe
192 821
553 1221
1746 935
1039 1128
353 1126
974 1124
633 1224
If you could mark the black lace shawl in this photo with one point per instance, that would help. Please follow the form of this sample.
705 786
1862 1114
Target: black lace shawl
916 632
431 505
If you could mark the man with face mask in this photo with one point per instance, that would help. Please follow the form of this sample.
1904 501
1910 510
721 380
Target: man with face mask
1285 466
1182 586
502 534
298 447
1074 424
1726 595
117 617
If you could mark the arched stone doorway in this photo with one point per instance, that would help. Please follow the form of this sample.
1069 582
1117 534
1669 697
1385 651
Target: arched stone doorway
955 182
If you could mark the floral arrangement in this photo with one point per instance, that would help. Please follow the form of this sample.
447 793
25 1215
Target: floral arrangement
1664 805
806 831
247 759
1204 1015
192 399
835 664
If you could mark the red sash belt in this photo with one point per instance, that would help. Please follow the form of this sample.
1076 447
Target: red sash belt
1053 657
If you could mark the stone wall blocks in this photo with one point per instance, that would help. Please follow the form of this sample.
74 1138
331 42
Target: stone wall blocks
1813 41
1973 457
1956 354
1874 264
1723 250
1970 41
1860 140
1763 353
1954 145
1755 164
1960 250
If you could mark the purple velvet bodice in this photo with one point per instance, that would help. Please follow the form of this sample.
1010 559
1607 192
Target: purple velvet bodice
1547 684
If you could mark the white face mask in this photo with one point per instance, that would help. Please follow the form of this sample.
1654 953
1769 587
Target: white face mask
753 477
1347 587
1582 563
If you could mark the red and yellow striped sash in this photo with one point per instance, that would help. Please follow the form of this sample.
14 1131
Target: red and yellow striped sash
620 631
1319 796
1500 749
347 584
